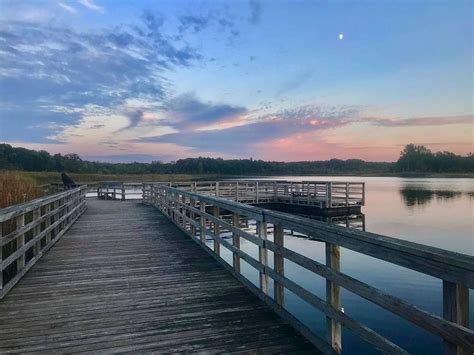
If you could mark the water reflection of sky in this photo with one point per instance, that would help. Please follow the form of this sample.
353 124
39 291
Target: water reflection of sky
435 212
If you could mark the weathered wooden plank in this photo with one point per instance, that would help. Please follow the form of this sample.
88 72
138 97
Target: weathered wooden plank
125 279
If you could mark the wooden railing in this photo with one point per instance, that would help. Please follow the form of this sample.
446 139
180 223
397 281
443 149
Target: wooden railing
117 190
27 231
202 217
323 194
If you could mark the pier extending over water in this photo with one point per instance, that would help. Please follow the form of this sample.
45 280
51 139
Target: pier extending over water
111 280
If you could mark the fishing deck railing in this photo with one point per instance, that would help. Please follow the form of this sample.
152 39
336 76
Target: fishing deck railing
203 216
29 230
323 194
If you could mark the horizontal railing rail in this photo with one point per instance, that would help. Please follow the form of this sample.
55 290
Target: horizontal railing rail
29 230
202 216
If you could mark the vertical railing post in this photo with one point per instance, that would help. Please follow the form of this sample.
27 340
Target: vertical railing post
36 231
20 242
47 223
236 242
456 310
217 189
202 221
291 192
237 191
56 217
192 203
329 196
263 256
123 192
363 194
275 191
347 194
217 245
256 192
333 297
278 265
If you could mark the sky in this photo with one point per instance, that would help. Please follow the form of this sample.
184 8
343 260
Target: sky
274 80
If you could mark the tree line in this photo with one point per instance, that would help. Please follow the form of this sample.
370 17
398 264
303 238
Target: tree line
413 159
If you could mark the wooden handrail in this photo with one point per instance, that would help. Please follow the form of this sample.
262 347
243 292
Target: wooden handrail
456 270
29 230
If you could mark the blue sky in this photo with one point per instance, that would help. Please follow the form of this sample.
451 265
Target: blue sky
148 80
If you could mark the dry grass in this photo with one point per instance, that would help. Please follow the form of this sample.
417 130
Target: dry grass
42 178
17 188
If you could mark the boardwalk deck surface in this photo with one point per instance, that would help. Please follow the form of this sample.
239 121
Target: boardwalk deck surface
124 279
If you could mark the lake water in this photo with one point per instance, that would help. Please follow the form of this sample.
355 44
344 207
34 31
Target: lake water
436 212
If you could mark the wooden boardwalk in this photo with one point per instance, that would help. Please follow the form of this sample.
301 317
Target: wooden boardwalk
125 279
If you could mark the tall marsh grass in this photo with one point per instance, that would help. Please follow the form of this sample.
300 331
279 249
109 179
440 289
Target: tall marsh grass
17 188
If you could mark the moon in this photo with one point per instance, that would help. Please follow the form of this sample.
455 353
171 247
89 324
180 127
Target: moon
341 36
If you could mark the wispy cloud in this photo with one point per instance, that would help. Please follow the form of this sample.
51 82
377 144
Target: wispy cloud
421 121
243 138
59 70
188 112
90 4
68 8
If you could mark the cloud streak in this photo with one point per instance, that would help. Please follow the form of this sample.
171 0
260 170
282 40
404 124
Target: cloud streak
90 4
188 112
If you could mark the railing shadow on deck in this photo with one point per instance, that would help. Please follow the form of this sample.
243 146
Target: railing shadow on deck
201 217
29 230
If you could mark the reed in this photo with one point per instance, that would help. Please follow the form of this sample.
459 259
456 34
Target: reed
17 188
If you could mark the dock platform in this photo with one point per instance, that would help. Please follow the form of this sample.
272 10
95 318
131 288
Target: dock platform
125 279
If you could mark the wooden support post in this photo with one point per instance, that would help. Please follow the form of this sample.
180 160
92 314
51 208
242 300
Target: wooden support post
217 188
192 203
263 256
363 194
329 195
278 265
347 194
456 310
217 245
36 231
20 242
56 216
333 297
275 191
236 242
123 192
202 222
47 223
237 191
256 192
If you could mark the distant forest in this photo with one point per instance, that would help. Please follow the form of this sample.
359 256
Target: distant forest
413 159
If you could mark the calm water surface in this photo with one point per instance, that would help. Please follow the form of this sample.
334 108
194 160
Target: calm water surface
436 212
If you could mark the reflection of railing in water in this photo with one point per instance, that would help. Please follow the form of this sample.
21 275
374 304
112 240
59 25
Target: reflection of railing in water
200 216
